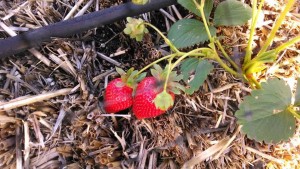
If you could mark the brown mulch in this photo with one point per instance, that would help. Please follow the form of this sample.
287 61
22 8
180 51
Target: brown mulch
51 107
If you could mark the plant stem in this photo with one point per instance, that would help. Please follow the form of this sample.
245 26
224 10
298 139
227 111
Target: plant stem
228 69
255 16
201 8
287 44
168 74
168 42
158 60
276 27
253 80
226 55
186 55
291 110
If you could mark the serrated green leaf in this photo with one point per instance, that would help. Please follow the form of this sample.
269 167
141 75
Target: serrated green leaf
271 129
266 106
201 68
232 13
189 5
297 94
188 32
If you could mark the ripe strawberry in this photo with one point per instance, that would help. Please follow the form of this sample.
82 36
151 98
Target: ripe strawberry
118 93
150 99
117 97
143 103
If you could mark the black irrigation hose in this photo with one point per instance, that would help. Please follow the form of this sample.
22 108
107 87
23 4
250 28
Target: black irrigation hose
63 29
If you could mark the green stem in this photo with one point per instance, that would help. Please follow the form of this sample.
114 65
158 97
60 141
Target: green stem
168 42
158 60
287 44
168 74
291 110
186 55
276 27
217 58
255 16
226 55
201 8
253 80
228 69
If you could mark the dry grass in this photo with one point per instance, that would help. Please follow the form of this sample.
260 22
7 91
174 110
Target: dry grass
50 98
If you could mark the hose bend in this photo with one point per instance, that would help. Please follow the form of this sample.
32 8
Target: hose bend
64 29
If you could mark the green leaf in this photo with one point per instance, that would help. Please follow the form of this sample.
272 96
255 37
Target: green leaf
261 112
297 95
232 13
200 67
189 5
271 129
188 32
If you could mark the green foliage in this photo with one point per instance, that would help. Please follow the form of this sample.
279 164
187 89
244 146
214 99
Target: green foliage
264 114
268 114
188 32
272 129
232 13
189 5
201 68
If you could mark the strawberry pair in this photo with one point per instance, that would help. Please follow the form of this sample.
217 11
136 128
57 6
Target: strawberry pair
147 98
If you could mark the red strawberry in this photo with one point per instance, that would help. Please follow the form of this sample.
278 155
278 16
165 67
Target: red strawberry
118 93
143 102
117 97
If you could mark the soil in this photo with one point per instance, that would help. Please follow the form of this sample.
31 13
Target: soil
71 130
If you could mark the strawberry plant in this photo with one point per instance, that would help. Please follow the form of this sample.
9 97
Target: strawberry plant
270 103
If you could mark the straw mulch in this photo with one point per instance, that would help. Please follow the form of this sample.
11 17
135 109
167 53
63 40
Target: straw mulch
51 97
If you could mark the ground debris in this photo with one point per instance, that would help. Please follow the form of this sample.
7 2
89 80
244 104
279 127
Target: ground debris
51 97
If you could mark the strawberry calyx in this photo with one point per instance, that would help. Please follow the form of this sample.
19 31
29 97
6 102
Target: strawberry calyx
131 77
164 99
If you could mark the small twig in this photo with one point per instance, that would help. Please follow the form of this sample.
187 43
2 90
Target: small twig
176 11
18 148
76 6
118 53
33 99
266 156
205 154
84 9
109 59
13 12
26 145
227 143
16 79
167 15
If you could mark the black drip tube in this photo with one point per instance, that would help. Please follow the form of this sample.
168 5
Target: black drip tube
63 29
